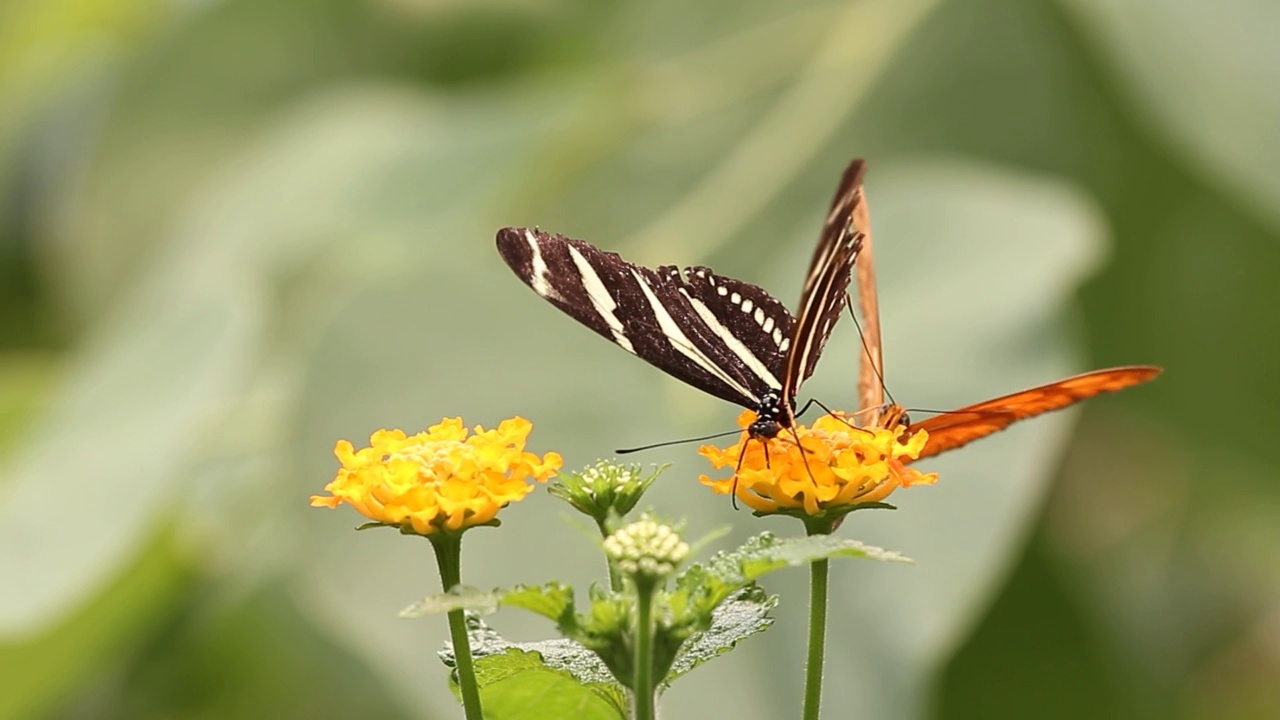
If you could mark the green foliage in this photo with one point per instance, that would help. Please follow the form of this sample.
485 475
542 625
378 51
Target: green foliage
458 598
712 608
552 601
509 673
739 616
518 685
233 232
766 553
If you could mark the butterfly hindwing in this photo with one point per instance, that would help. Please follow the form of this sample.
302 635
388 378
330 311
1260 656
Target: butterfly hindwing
757 326
972 422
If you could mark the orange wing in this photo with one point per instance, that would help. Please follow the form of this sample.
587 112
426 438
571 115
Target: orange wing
961 427
871 369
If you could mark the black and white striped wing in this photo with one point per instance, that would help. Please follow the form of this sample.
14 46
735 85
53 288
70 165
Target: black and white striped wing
723 336
827 283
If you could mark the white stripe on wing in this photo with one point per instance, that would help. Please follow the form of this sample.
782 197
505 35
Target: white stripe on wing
538 270
601 300
683 345
731 341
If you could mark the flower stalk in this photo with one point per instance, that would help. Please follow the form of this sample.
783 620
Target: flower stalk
647 552
819 572
448 549
643 681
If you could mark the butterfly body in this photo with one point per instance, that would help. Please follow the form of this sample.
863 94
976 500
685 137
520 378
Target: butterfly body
726 337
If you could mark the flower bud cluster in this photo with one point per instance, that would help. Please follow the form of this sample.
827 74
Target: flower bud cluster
646 548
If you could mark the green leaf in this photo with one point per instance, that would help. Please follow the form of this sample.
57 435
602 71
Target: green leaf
558 654
460 598
741 616
519 685
553 600
795 552
767 552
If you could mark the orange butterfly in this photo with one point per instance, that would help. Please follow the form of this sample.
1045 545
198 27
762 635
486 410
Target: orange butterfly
954 429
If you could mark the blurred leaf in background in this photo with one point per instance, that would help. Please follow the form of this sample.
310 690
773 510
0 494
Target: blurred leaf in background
232 232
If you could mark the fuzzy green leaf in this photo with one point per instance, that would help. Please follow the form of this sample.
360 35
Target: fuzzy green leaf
460 598
520 684
741 616
766 552
553 600
558 654
775 553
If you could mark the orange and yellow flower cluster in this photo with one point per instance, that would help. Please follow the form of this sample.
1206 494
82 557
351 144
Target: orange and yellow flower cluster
834 468
441 479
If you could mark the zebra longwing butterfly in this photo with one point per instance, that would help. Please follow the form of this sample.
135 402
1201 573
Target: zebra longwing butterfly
726 337
953 429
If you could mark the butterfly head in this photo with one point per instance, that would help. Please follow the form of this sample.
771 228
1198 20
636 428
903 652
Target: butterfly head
771 417
892 415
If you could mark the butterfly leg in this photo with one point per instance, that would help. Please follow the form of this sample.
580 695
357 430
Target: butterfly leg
733 491
803 453
807 405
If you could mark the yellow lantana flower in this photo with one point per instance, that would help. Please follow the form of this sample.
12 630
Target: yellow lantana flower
838 468
441 479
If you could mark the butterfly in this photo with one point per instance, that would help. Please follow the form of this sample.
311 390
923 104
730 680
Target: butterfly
726 337
957 428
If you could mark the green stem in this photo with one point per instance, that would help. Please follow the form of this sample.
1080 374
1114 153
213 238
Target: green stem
615 577
448 549
642 685
819 571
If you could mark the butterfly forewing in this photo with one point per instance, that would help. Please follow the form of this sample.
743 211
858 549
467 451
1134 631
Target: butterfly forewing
827 282
724 336
678 322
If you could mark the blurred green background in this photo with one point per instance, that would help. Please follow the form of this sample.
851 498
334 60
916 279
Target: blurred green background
234 231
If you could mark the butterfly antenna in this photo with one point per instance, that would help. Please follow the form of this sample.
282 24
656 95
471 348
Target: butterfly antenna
727 433
993 411
840 417
866 349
